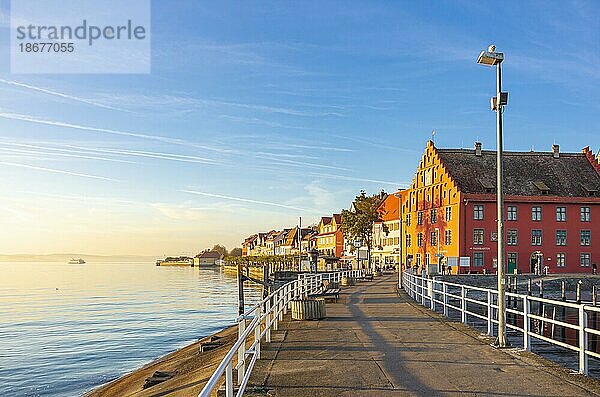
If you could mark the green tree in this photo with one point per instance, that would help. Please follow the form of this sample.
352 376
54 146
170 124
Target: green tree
220 249
357 223
236 252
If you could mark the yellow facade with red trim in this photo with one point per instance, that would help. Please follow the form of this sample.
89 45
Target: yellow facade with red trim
431 216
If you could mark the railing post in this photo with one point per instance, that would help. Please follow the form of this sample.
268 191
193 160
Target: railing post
490 324
268 319
583 339
445 299
432 295
275 311
229 380
463 305
241 352
526 334
280 303
257 332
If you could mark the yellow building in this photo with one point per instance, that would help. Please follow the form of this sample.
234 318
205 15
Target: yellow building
431 213
330 241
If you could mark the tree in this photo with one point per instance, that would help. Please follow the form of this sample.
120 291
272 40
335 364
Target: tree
220 249
236 252
357 223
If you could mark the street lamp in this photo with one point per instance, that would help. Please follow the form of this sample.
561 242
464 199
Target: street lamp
493 58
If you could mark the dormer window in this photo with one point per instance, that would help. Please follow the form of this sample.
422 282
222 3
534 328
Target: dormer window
488 186
590 191
542 187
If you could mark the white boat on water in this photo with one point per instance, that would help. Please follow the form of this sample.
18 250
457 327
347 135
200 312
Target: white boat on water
76 261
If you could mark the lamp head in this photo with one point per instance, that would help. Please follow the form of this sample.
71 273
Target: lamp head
490 57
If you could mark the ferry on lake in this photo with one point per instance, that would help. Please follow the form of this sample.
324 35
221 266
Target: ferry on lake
76 261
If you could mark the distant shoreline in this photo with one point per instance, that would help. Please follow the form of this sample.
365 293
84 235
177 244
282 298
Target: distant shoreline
65 257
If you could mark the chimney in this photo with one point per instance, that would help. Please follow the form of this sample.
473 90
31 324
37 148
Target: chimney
555 151
478 149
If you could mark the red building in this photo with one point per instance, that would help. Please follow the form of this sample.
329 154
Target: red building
552 209
552 212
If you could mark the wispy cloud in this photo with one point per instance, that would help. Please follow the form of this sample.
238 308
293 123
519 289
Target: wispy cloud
50 151
159 138
57 171
251 201
61 95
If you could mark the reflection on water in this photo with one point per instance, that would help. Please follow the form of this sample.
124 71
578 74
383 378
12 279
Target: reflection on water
65 329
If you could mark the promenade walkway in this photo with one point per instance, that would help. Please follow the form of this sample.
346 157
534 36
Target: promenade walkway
376 343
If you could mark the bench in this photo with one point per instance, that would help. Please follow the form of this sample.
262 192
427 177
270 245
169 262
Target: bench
333 293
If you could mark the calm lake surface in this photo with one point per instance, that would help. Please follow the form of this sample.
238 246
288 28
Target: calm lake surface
65 329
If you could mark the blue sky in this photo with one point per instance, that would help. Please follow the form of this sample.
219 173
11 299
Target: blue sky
256 113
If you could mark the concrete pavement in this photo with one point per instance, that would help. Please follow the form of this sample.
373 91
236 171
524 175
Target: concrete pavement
375 342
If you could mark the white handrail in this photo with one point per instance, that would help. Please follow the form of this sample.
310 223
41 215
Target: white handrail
265 317
424 291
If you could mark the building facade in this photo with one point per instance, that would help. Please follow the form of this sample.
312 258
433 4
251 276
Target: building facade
552 211
387 233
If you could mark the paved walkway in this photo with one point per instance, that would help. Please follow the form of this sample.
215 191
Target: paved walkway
375 343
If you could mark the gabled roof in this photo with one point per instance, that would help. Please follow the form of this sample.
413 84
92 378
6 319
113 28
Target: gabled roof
337 218
388 209
325 220
526 173
209 255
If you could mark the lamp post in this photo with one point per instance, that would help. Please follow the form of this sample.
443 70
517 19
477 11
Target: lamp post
493 58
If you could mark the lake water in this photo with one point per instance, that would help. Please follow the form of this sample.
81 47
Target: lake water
65 329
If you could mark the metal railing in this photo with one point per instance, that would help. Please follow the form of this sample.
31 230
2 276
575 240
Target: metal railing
255 325
525 312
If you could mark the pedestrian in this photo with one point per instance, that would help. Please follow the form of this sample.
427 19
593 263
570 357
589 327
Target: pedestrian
443 268
594 269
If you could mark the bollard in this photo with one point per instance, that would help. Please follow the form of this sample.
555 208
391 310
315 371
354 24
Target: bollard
529 286
579 292
563 292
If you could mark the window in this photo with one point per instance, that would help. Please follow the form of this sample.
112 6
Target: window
561 237
536 237
478 236
420 239
478 212
586 237
585 260
448 213
584 214
512 261
536 213
433 238
478 259
418 259
448 237
408 240
433 216
396 240
512 237
419 218
512 213
560 260
427 259
407 219
561 214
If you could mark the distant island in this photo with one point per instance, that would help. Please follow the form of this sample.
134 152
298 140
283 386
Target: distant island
64 258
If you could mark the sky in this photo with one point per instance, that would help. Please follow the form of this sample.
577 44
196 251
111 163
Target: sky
257 113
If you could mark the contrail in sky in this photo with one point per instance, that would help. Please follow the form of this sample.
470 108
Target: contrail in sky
61 95
175 141
33 167
245 200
